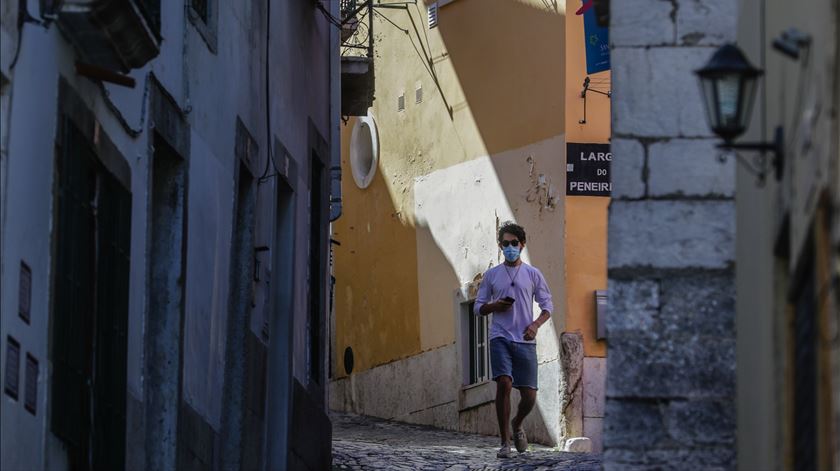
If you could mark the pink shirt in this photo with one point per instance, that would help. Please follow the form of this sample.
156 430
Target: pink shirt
528 286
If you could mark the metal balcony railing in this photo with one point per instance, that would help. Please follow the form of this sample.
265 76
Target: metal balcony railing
357 28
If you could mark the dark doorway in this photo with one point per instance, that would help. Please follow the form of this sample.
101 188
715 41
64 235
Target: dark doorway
317 274
90 308
805 371
281 323
238 331
166 304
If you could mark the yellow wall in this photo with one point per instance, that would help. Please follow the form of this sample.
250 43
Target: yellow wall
376 302
586 216
493 79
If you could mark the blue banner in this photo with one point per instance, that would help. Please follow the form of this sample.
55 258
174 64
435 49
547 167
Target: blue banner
597 41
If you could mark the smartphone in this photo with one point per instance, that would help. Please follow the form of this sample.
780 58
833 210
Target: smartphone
508 300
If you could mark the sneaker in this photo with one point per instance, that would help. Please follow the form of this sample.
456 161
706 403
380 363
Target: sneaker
520 440
504 452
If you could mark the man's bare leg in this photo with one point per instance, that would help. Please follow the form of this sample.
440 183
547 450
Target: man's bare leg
503 387
527 399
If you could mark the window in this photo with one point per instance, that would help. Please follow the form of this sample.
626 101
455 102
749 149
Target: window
201 8
150 9
478 357
202 14
90 312
364 151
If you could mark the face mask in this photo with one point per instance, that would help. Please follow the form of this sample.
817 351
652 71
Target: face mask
511 253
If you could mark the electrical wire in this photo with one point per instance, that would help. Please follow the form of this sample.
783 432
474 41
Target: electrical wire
330 18
389 21
269 158
17 48
23 18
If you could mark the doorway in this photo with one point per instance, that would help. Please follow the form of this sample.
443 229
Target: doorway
88 344
281 326
237 354
166 304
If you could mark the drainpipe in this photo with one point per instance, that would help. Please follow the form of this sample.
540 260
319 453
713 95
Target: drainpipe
335 116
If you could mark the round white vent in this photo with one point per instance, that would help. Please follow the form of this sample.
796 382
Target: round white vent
364 151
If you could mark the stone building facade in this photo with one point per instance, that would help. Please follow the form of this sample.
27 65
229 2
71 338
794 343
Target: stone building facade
788 245
680 247
671 246
165 171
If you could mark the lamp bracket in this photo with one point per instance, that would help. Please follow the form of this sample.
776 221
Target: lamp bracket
759 165
586 88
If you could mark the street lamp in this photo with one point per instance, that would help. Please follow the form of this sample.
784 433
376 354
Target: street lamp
728 83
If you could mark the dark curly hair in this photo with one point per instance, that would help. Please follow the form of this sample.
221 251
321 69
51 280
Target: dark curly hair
512 229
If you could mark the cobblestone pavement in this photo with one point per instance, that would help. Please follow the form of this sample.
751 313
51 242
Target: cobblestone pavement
364 443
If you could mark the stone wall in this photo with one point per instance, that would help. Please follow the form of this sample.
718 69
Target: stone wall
670 328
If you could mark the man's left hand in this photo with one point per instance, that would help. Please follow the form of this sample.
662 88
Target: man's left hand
531 331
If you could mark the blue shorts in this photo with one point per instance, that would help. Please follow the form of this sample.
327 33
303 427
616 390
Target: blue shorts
517 360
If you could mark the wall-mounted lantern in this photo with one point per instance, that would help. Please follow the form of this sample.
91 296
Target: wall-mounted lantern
728 83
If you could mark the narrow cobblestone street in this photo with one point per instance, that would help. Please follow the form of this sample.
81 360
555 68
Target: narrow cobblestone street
364 443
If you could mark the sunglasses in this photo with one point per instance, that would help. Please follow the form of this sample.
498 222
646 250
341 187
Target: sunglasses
514 243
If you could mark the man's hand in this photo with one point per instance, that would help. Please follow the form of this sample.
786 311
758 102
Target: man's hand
498 306
531 331
501 306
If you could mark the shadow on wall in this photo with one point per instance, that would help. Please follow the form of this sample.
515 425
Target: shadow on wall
512 74
376 295
509 57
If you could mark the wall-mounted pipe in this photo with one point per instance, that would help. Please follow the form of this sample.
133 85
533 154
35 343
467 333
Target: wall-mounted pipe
335 119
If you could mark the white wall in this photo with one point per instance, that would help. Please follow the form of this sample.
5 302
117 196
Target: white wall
212 89
457 211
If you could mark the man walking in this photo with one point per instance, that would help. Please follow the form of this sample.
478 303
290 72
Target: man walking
508 292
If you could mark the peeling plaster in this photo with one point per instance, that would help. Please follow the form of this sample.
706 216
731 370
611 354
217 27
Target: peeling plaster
541 191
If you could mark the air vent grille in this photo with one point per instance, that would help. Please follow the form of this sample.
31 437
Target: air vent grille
433 15
12 368
25 292
30 397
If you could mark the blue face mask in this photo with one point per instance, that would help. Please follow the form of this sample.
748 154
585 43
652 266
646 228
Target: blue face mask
511 253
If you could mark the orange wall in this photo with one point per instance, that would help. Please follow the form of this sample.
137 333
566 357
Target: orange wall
586 216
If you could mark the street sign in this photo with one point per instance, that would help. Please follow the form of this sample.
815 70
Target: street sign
588 169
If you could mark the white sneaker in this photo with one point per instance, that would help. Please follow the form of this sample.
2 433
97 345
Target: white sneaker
520 440
504 452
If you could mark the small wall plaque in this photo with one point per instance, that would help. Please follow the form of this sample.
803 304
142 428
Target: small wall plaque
30 395
601 314
12 368
25 292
